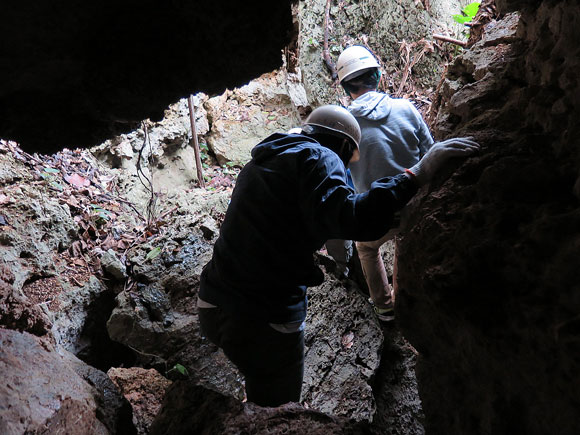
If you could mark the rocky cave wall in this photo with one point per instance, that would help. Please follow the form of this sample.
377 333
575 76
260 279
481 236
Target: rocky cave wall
488 281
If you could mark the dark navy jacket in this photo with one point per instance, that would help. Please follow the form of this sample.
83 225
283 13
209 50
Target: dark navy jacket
288 201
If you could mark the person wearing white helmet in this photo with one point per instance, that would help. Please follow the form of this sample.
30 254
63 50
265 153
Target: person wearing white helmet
394 138
289 199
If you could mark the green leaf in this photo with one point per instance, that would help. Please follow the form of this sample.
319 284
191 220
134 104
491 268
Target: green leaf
101 212
467 13
51 170
178 368
471 9
181 369
460 18
153 253
56 185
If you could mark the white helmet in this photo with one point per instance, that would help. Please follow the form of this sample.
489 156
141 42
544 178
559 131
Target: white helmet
338 120
355 59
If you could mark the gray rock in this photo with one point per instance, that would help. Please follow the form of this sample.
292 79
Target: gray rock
243 117
343 343
145 327
113 266
75 305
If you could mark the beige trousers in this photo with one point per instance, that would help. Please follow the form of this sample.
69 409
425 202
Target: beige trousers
374 270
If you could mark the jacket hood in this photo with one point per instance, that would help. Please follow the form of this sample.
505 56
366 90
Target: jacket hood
276 144
371 105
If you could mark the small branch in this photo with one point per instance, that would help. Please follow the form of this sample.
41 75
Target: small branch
411 61
110 197
451 40
325 53
195 144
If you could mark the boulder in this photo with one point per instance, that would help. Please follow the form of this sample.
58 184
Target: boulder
243 117
144 389
191 408
40 391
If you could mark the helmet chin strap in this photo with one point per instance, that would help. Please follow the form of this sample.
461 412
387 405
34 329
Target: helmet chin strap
344 150
339 144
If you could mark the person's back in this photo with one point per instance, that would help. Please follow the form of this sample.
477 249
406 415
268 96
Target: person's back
393 137
267 240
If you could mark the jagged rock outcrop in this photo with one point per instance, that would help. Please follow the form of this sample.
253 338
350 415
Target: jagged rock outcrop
489 293
242 117
49 307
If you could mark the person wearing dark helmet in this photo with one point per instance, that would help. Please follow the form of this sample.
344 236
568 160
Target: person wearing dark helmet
394 138
289 199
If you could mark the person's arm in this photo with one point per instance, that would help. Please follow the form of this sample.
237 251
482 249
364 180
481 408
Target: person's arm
438 154
333 210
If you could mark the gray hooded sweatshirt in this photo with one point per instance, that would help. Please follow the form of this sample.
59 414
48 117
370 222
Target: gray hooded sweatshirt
394 137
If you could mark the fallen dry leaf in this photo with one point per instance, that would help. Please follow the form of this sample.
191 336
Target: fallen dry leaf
77 180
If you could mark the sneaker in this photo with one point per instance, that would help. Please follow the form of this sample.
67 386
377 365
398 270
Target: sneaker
386 314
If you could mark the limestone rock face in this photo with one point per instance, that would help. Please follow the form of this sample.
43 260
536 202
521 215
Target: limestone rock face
243 117
488 283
